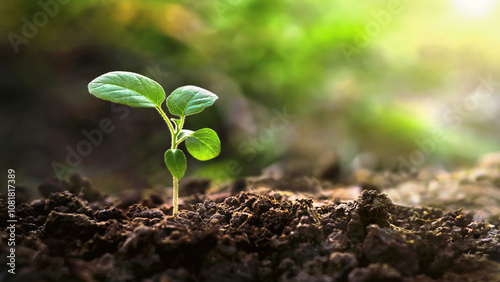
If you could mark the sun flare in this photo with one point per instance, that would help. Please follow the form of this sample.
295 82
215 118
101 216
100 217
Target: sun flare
475 8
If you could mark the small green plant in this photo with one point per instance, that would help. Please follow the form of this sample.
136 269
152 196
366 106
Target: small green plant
135 90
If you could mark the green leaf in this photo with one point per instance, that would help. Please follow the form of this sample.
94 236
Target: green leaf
128 88
203 144
189 100
176 121
184 133
176 162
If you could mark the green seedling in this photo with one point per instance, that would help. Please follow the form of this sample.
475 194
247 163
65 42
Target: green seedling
135 90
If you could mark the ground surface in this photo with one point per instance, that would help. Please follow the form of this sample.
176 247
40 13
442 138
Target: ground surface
253 233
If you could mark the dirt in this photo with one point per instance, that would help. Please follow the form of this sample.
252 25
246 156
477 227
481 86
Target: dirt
76 233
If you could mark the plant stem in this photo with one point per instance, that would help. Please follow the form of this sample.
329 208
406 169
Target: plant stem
165 118
177 142
174 133
176 195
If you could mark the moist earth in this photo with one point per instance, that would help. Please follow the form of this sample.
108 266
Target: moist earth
76 233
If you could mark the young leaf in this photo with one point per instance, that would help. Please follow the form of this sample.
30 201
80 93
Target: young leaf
128 88
176 121
189 100
176 162
203 144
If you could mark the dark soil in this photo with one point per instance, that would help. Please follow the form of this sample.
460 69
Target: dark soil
78 234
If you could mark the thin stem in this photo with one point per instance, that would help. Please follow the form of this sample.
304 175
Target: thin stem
182 123
173 133
176 195
180 140
165 118
177 142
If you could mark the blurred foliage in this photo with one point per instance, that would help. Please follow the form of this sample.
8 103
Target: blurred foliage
373 77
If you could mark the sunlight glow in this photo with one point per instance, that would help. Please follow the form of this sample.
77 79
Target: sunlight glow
475 8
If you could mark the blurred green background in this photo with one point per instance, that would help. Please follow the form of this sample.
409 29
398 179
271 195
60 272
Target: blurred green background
372 84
